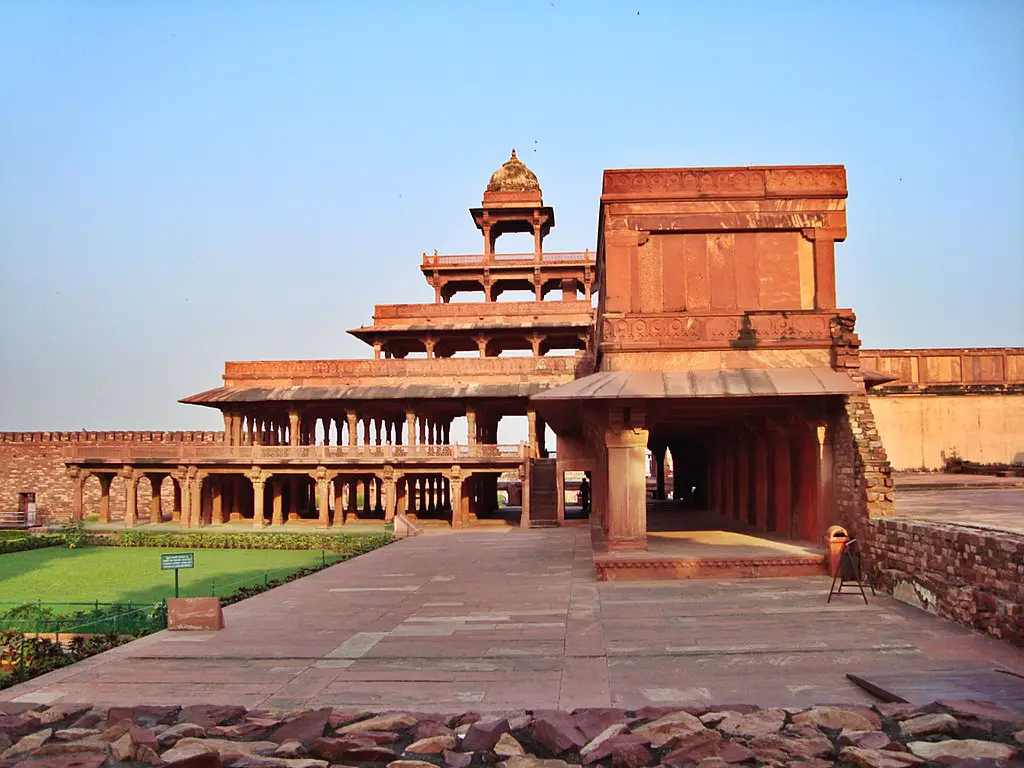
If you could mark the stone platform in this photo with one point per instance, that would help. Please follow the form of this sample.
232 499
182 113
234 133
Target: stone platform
691 544
711 554
497 621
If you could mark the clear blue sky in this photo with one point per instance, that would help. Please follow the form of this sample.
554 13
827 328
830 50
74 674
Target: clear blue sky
183 183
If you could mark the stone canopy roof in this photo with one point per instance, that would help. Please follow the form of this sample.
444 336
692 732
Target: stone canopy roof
222 396
513 176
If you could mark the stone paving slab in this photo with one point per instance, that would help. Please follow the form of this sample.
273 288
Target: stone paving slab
507 620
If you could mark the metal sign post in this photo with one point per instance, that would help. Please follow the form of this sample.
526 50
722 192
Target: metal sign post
176 561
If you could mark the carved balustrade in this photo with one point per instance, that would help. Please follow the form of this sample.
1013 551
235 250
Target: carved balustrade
197 453
462 260
398 369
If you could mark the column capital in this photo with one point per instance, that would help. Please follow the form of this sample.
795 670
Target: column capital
631 437
256 475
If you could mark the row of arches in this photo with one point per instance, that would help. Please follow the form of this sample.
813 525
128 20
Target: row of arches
279 498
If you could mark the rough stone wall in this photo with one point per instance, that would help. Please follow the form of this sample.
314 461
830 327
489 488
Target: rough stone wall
31 462
971 575
862 476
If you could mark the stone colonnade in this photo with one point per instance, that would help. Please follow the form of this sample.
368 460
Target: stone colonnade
773 475
332 497
298 428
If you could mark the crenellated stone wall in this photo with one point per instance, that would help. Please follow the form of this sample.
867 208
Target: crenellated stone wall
31 462
973 576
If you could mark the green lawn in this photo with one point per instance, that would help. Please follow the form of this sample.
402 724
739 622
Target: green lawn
119 574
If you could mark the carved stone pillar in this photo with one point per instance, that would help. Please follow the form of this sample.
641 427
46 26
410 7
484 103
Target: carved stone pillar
156 508
808 451
471 427
658 455
455 484
78 476
353 429
131 487
410 428
760 481
783 501
390 494
339 502
276 500
352 513
258 480
524 479
743 504
626 444
531 418
323 488
196 498
176 499
217 516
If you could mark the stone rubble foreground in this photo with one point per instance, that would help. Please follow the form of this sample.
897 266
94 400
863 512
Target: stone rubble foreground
957 733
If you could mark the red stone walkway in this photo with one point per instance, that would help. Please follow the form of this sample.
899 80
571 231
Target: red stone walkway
503 620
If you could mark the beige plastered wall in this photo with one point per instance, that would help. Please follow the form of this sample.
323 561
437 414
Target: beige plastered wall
921 431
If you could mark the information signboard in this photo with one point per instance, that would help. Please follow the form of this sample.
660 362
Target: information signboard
177 560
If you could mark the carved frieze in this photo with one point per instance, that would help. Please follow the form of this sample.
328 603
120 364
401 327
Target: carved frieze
690 182
792 182
750 329
798 181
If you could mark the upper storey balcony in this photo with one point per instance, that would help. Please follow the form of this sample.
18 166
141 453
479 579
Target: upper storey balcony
571 272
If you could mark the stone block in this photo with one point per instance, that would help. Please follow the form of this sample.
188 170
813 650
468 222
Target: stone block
194 613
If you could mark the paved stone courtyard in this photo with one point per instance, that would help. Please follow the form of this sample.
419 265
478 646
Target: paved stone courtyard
501 620
987 507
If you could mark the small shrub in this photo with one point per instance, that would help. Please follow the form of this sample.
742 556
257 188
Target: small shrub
26 543
350 545
74 533
22 658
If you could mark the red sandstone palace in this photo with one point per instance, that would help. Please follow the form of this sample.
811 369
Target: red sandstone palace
715 338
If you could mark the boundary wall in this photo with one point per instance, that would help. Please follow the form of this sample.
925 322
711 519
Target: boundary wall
31 462
974 576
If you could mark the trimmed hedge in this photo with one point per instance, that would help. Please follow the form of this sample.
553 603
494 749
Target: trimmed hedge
351 545
25 543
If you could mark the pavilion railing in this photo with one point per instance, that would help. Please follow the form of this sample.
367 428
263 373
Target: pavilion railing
473 259
183 453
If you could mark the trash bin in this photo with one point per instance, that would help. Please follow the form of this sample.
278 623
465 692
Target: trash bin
835 538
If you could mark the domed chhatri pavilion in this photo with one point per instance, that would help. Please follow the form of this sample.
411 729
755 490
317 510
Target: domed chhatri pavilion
713 381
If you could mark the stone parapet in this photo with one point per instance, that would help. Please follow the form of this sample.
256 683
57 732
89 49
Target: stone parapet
184 453
974 576
944 371
752 182
289 371
113 437
385 314
464 260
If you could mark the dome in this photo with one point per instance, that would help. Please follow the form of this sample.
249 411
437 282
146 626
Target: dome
513 176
